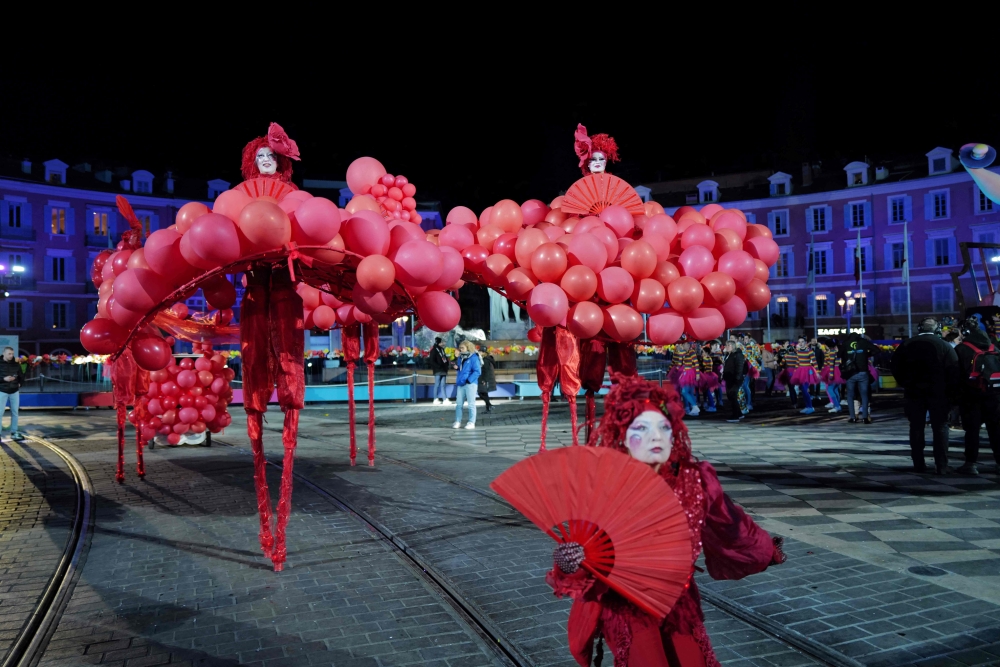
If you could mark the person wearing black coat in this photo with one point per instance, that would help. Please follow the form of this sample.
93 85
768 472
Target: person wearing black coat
927 369
487 379
733 371
439 366
975 405
11 379
854 356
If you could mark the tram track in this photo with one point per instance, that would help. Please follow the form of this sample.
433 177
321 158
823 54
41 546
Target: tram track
30 644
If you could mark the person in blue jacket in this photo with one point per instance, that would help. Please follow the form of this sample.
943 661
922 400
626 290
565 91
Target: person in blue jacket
467 383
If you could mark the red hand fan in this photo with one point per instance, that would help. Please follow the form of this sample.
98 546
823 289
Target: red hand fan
595 192
265 187
632 528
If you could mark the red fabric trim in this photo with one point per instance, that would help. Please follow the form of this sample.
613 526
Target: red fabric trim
371 354
351 339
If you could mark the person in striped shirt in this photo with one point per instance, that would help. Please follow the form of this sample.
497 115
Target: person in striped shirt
687 364
801 362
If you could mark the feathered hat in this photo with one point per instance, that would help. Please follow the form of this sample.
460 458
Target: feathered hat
586 146
282 145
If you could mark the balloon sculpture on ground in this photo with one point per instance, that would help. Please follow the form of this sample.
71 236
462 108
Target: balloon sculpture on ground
587 267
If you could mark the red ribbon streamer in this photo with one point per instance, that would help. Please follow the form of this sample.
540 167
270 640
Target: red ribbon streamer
351 339
371 354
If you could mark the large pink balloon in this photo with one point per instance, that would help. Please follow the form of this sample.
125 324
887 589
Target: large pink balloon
370 303
265 225
452 268
151 352
705 323
585 320
213 240
587 250
648 295
140 289
534 211
734 312
102 336
418 263
461 215
457 236
698 235
619 219
756 295
163 255
665 327
719 288
697 261
685 294
123 316
316 222
608 238
739 265
729 219
324 318
615 285
438 311
547 305
230 203
401 232
763 248
363 173
661 225
528 240
520 283
366 233
639 259
376 273
548 262
622 323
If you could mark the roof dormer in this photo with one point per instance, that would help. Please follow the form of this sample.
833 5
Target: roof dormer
781 184
939 161
643 192
708 192
857 174
55 171
216 187
142 181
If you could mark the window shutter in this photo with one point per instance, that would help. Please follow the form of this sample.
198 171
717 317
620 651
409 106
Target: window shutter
947 203
811 305
71 315
47 220
929 252
952 251
154 223
48 316
26 314
868 214
908 208
828 218
4 209
847 216
71 269
91 310
887 256
5 315
70 220
770 221
113 224
48 268
928 206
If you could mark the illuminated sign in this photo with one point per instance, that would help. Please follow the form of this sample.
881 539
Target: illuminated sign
838 332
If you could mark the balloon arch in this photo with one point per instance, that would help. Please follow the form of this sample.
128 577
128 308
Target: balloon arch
587 267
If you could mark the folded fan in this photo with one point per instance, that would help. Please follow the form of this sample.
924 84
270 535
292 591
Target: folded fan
595 192
632 528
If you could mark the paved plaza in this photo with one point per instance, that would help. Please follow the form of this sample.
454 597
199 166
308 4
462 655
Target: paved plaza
415 562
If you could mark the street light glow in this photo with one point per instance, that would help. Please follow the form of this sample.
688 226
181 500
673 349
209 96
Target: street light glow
17 269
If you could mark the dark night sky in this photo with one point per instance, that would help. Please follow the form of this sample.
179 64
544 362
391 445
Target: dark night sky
475 132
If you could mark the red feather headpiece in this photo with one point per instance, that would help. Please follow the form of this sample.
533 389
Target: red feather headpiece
282 145
586 146
133 237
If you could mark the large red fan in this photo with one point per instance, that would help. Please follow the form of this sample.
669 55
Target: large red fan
595 192
265 187
633 530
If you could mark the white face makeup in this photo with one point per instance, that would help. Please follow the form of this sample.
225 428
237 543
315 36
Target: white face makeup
597 163
267 161
648 437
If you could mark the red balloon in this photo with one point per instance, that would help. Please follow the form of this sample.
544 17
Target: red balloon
496 269
438 311
533 211
309 295
614 284
685 294
403 232
665 273
119 261
580 283
730 219
170 388
370 303
461 215
316 222
187 214
535 334
331 254
734 312
756 295
487 236
506 214
696 262
140 289
648 295
738 264
265 225
212 241
764 249
137 260
375 273
163 255
208 413
618 219
230 203
548 262
505 244
758 230
761 271
324 318
224 317
452 268
187 415
719 288
665 327
219 293
205 378
366 233
458 236
587 250
639 259
123 316
173 438
419 263
698 235
622 323
547 304
363 173
102 336
528 240
520 283
585 320
726 240
705 323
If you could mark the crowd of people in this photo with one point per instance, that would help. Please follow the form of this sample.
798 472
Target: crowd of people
475 378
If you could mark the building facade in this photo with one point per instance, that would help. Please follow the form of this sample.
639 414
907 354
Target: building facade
818 223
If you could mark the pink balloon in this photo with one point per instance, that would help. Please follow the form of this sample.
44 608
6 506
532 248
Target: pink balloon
475 258
452 268
316 222
370 303
659 244
230 203
123 316
697 261
619 219
587 249
218 385
188 415
705 323
375 273
622 323
739 265
734 312
139 289
367 233
214 241
208 413
363 173
457 236
418 263
661 225
585 320
685 294
608 238
506 245
324 317
461 215
554 232
548 305
764 249
528 240
534 211
187 379
698 235
163 255
438 311
615 285
709 210
154 407
730 219
587 223
402 232
665 327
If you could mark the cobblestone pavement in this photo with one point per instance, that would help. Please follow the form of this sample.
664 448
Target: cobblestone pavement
37 502
172 554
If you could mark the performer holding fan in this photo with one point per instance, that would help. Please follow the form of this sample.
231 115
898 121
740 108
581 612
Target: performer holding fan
629 541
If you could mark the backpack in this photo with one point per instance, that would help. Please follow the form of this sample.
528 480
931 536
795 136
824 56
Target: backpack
984 375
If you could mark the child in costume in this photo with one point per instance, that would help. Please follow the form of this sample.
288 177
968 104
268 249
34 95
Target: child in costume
646 421
830 374
687 376
801 362
709 380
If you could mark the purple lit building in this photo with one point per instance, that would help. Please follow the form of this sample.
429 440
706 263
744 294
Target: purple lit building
816 216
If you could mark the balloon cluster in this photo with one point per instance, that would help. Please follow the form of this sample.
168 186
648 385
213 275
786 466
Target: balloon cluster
601 273
189 396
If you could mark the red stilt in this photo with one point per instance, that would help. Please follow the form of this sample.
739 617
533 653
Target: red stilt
591 413
573 419
545 419
140 465
289 437
351 339
350 410
120 470
371 354
255 428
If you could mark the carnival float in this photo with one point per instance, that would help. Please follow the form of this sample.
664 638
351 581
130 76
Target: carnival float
595 269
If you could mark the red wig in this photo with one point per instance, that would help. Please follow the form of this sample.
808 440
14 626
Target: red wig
585 147
285 150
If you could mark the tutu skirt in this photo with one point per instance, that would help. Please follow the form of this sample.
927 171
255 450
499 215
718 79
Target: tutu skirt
803 375
873 371
688 378
709 382
754 373
836 377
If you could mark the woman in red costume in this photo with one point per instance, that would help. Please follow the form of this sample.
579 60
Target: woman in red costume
645 421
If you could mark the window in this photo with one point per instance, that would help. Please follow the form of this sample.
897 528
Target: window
898 255
898 296
985 203
15 314
938 164
861 302
779 188
779 222
821 305
100 223
858 215
58 220
818 263
818 218
58 269
863 255
940 204
142 186
782 266
781 308
897 210
942 295
942 249
14 213
751 218
986 237
145 220
857 178
56 178
60 315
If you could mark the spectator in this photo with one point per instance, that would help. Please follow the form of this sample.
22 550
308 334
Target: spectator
733 372
854 358
953 338
11 379
466 383
803 371
487 379
769 362
927 369
439 366
978 403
